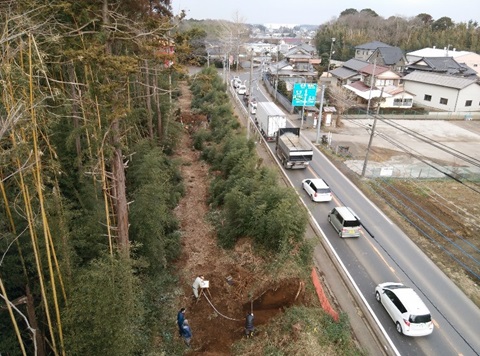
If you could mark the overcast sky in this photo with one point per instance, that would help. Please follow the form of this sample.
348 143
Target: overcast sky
317 12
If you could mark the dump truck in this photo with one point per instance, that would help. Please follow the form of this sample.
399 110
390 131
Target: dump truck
269 119
292 153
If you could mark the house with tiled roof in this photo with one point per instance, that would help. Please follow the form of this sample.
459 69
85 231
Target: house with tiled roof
470 59
364 51
380 82
296 67
391 57
444 92
349 72
441 65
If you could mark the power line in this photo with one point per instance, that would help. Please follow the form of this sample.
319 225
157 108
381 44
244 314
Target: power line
420 157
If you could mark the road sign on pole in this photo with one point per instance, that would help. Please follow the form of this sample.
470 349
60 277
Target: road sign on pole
304 94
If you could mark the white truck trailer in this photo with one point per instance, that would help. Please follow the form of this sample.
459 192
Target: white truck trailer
270 118
293 154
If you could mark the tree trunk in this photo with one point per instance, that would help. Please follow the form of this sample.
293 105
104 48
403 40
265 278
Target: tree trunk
159 112
119 192
32 319
148 97
106 21
75 112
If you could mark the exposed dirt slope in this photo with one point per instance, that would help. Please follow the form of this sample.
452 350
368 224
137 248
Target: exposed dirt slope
215 330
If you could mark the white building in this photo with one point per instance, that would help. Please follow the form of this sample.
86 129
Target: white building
444 92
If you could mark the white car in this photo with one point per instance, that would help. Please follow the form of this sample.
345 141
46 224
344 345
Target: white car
410 315
253 106
317 189
242 89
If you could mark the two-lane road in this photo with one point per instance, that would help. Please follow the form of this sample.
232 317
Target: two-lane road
384 253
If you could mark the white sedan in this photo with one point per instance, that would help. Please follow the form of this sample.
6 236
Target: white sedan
241 90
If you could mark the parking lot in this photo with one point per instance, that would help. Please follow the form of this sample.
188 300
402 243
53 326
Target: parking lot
409 147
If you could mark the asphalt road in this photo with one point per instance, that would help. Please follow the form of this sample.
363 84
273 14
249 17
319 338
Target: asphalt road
385 253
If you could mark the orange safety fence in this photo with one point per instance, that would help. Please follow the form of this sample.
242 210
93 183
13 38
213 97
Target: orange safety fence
322 297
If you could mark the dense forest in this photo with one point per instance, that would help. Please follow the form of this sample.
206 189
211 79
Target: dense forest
353 28
88 185
87 92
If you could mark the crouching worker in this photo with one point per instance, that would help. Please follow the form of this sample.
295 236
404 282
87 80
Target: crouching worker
249 328
186 333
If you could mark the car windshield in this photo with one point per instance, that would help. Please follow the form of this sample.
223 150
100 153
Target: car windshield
323 191
351 223
396 286
420 318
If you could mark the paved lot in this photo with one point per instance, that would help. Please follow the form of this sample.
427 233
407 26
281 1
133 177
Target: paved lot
413 148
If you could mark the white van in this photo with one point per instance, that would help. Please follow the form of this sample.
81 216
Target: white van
410 315
317 189
345 221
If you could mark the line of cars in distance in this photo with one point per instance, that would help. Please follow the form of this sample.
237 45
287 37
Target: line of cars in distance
410 315
241 89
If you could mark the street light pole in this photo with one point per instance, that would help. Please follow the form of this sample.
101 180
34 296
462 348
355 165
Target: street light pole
320 114
331 52
303 107
304 102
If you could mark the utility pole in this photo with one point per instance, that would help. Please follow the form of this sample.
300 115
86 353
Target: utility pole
251 75
250 87
320 115
364 169
276 81
371 86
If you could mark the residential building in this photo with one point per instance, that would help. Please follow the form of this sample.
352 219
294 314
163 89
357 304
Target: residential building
296 67
391 57
441 65
348 73
364 51
380 82
470 59
444 92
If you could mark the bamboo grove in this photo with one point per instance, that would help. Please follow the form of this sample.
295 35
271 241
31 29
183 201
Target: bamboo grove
85 99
